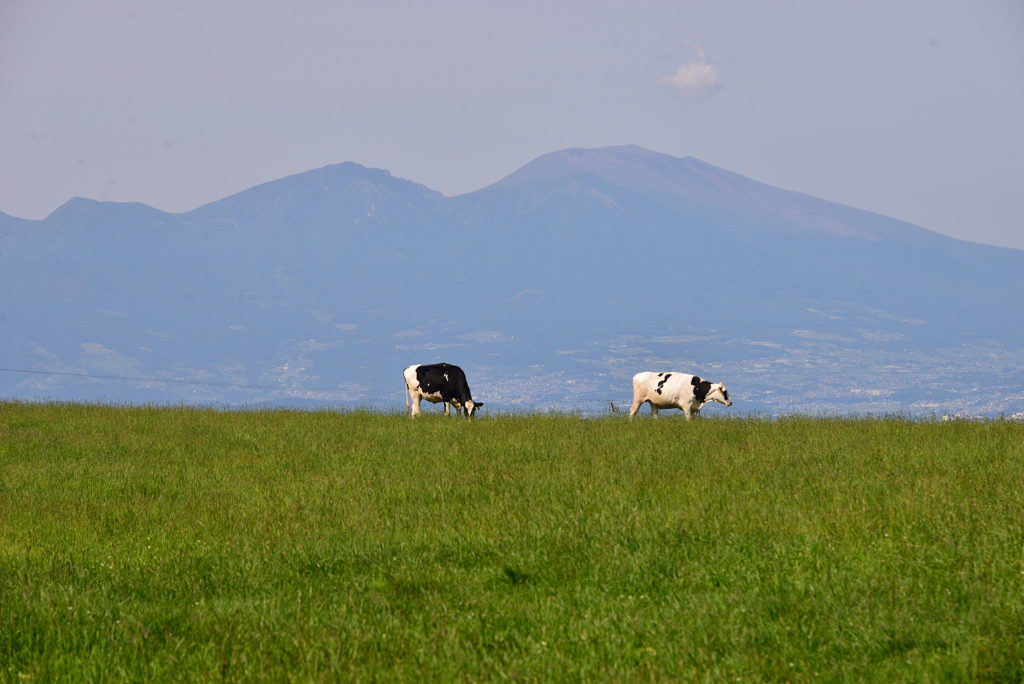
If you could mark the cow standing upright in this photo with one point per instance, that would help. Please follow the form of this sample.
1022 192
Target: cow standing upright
439 382
675 390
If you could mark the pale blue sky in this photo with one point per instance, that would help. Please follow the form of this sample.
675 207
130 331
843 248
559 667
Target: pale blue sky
909 109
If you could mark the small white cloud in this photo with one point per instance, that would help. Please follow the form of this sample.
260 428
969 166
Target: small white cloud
696 79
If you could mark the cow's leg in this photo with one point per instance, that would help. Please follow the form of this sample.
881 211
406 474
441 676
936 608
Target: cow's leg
637 403
654 411
415 404
688 412
638 400
447 408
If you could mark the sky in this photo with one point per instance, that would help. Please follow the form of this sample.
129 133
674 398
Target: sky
914 110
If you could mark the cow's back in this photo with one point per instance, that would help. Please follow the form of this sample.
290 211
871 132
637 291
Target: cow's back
411 379
665 389
436 377
642 382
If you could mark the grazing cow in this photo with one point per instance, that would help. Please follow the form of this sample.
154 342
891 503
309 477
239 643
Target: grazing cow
439 382
675 390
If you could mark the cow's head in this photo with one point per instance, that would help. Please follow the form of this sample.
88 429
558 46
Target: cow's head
471 407
719 393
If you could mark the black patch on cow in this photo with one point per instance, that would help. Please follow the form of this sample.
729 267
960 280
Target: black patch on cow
432 380
660 374
700 388
662 383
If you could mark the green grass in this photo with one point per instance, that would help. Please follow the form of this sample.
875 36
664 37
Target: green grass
185 544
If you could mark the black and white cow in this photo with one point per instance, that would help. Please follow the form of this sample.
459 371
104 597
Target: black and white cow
675 390
439 382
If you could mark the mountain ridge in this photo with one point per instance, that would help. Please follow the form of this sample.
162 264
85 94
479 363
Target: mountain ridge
550 168
663 172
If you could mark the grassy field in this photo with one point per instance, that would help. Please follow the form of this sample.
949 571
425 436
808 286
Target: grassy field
180 544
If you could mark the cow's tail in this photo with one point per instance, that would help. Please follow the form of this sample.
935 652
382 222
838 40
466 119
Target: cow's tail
407 398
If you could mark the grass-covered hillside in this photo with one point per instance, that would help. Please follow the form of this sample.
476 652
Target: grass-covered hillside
177 544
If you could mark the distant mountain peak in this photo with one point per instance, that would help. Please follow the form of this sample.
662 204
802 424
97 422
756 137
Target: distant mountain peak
688 179
304 196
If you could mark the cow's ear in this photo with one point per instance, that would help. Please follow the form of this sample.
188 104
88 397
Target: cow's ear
478 404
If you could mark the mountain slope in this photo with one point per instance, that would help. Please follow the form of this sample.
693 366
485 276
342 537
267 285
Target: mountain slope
554 284
737 235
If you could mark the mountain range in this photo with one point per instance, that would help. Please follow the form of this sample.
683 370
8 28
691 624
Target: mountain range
551 287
